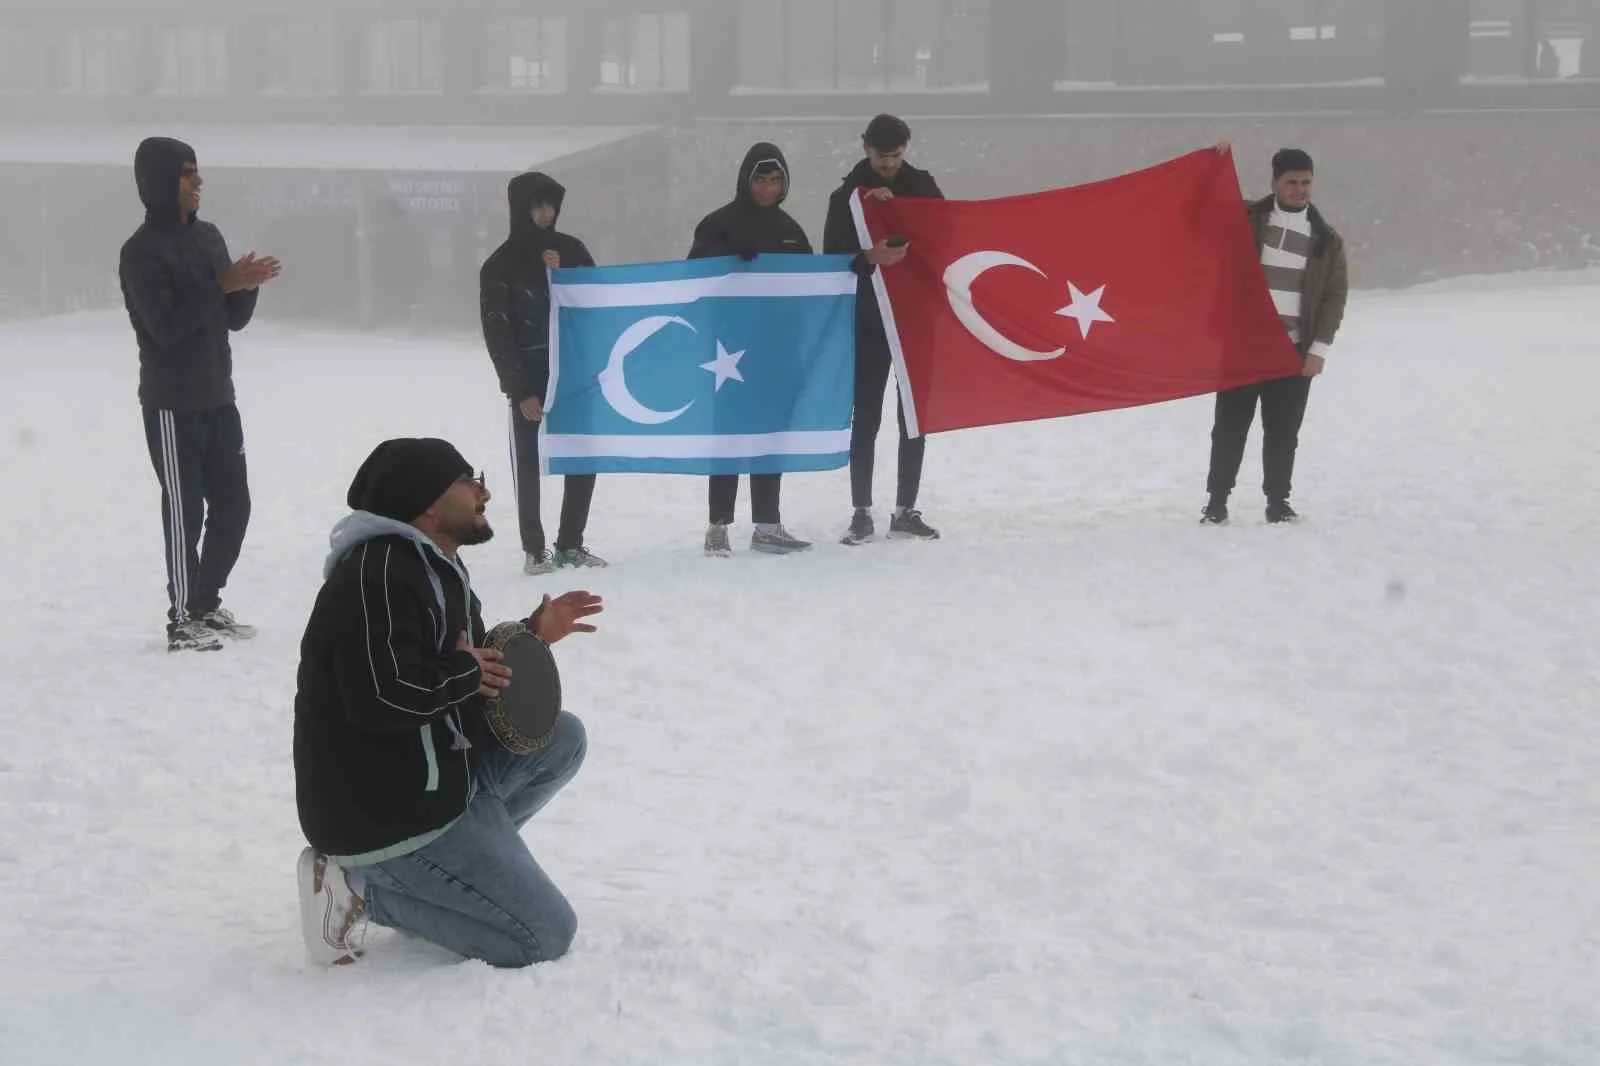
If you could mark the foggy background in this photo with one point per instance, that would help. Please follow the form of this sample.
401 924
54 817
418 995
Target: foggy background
367 144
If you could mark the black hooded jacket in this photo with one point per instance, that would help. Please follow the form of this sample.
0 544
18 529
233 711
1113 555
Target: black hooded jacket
169 270
839 231
744 228
514 288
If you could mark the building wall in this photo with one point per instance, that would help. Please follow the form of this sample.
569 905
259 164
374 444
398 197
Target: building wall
499 61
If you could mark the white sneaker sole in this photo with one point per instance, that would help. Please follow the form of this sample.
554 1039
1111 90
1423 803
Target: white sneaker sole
323 944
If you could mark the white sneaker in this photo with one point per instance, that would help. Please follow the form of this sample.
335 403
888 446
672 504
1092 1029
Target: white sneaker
330 913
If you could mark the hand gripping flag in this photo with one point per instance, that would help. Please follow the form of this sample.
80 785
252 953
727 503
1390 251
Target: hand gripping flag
1131 291
709 366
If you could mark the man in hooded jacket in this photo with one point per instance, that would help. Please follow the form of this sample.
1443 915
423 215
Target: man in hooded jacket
184 296
412 810
885 173
753 223
514 305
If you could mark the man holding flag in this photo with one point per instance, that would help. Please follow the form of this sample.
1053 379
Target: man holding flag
1303 259
885 174
752 223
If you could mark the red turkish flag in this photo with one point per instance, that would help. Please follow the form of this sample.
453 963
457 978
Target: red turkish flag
1135 290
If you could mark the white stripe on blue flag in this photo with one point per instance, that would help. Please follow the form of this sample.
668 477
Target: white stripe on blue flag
708 366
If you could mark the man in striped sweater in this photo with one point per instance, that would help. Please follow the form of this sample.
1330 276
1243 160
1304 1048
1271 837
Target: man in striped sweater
1304 261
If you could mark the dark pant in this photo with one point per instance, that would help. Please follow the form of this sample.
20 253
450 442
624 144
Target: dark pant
764 491
1283 408
872 379
575 499
205 501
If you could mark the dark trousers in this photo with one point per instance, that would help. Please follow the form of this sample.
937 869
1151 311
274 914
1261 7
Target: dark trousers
575 499
723 493
205 501
1283 408
872 380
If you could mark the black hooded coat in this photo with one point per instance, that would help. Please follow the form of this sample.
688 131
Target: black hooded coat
514 288
169 270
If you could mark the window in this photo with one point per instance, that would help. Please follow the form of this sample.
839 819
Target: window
526 55
864 45
23 59
98 61
192 61
302 58
647 50
405 56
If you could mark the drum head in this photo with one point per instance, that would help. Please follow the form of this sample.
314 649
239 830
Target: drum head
523 716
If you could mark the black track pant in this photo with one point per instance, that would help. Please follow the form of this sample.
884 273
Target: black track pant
872 380
205 501
1283 408
575 499
764 493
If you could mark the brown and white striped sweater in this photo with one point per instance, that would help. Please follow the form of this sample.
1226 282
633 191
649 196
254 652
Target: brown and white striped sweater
1285 250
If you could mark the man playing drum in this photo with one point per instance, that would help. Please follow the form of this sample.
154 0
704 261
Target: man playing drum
411 803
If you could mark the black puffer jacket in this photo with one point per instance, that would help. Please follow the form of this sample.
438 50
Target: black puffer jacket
839 235
169 270
514 289
743 227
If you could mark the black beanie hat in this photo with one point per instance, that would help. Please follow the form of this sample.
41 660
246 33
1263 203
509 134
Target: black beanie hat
404 476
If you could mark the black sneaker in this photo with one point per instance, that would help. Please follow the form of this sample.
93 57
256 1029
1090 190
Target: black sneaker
1214 513
861 529
1279 511
909 523
192 635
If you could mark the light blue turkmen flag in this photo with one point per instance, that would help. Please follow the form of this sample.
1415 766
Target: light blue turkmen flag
709 366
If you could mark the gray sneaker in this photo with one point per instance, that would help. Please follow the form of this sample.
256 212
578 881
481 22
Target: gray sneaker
537 563
580 557
777 541
222 622
717 541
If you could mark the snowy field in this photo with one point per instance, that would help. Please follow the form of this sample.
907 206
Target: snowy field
1082 783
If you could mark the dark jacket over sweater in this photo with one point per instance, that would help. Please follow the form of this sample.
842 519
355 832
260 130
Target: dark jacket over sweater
839 231
169 270
384 697
514 288
1326 288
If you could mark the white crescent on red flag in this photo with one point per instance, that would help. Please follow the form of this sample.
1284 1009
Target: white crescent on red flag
1135 290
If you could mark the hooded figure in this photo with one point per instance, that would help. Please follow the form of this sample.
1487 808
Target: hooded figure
514 289
746 228
743 227
170 270
514 305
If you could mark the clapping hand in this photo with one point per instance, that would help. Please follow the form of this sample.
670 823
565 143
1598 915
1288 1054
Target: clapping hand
495 675
249 272
564 615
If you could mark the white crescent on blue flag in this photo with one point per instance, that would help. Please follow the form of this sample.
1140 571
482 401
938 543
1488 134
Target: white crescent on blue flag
707 366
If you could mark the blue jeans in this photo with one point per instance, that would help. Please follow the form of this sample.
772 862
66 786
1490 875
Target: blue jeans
477 890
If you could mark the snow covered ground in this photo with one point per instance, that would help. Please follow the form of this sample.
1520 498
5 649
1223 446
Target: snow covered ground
1082 783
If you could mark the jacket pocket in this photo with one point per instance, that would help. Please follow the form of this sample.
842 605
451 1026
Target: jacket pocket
431 757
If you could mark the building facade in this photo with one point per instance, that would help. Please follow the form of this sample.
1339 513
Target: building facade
632 61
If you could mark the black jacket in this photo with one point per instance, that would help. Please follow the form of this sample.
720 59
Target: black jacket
385 701
514 289
169 270
839 231
745 229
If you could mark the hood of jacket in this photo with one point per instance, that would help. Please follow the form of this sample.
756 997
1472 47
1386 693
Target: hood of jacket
757 155
359 527
157 165
526 190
